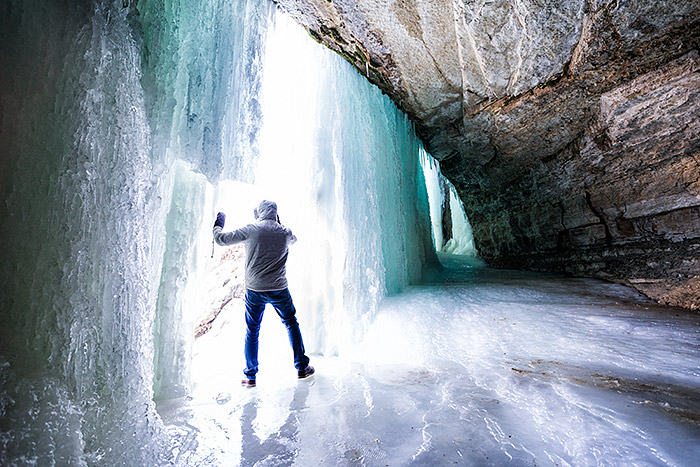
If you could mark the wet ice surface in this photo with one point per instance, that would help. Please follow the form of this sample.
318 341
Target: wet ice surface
480 367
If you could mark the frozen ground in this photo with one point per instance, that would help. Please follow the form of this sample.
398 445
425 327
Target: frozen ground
478 367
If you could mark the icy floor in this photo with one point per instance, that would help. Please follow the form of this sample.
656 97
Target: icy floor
480 367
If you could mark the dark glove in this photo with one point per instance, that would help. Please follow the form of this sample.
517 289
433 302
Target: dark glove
220 220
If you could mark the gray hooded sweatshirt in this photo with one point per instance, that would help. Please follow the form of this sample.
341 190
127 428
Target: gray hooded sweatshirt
266 244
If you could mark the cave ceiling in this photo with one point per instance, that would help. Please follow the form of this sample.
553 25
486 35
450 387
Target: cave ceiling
513 79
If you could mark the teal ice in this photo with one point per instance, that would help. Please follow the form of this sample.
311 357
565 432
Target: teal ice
126 125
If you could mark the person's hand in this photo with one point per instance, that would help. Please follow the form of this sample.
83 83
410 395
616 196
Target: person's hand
220 220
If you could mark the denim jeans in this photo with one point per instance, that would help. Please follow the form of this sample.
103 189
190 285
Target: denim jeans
255 303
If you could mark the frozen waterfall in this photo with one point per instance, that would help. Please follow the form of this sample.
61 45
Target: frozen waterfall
446 209
125 126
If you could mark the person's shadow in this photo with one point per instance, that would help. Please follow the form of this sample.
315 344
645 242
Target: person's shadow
279 448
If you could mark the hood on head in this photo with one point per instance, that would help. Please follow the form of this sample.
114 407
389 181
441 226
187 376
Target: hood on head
266 210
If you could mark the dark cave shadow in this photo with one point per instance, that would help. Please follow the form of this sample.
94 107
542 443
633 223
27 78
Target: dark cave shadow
280 446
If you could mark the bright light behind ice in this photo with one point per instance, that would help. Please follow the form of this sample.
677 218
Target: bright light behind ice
342 164
347 184
298 171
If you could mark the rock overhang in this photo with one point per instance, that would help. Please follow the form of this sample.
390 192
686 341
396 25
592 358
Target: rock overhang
560 123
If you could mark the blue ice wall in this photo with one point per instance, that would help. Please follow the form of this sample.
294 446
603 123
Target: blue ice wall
202 68
116 119
81 211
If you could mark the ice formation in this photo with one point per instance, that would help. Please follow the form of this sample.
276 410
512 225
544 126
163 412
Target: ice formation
125 128
82 220
120 124
442 197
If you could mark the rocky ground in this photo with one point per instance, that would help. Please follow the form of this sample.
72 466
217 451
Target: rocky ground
227 289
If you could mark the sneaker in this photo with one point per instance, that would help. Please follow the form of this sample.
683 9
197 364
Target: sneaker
306 372
248 383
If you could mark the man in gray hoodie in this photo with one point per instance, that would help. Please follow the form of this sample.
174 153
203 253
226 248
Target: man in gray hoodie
266 243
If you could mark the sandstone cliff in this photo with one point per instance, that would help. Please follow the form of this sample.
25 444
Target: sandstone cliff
569 128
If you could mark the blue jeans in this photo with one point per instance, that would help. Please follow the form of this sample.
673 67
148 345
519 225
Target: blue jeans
255 303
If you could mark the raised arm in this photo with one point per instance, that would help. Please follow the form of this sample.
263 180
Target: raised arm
228 238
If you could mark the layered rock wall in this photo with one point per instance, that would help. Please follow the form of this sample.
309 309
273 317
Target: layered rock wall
569 128
621 201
